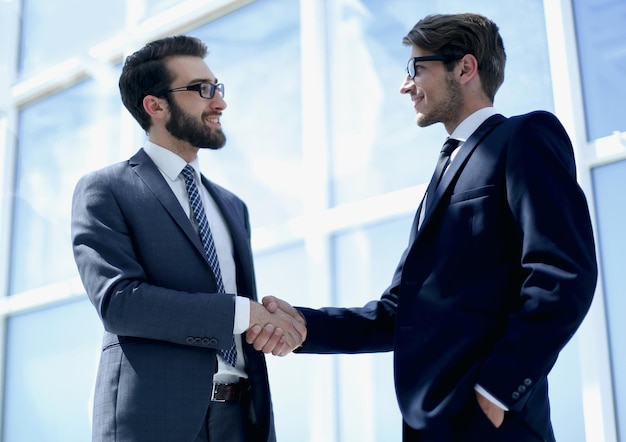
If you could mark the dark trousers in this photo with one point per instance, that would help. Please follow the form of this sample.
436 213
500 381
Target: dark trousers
472 425
224 422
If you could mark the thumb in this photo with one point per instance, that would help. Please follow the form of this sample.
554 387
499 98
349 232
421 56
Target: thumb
270 303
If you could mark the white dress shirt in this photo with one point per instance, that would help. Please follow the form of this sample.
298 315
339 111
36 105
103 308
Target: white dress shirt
468 126
170 165
461 133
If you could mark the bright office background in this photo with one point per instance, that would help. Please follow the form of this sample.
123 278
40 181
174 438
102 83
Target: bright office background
324 150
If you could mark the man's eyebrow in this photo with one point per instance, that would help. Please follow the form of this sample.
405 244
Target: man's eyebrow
202 80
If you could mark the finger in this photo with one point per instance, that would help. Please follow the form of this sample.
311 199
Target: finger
270 303
281 350
266 334
295 338
285 350
276 340
291 311
287 324
253 333
301 329
300 317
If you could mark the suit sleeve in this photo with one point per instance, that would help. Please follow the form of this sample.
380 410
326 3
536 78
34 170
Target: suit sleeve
354 330
139 273
558 264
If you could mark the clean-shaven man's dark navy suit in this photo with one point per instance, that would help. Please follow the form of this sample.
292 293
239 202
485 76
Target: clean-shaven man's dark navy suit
490 288
144 269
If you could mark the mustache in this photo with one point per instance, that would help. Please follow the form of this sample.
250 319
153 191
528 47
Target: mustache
211 114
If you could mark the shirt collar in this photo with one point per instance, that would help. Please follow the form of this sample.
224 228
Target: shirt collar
471 123
168 162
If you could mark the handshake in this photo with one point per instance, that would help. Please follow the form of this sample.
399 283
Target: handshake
276 327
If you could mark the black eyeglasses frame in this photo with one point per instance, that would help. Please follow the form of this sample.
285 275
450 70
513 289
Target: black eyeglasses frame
410 66
198 87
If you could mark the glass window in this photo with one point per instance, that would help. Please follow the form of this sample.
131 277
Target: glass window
609 182
283 273
566 410
154 7
376 145
259 63
601 36
52 32
366 259
60 138
51 361
373 138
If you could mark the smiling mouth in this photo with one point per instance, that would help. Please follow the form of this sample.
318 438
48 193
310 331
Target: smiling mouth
417 101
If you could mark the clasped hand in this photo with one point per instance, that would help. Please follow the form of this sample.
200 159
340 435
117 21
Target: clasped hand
277 327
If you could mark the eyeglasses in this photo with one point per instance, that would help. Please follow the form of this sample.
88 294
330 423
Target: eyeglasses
206 90
410 67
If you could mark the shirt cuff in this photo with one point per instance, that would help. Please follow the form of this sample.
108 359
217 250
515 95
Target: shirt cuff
491 399
242 315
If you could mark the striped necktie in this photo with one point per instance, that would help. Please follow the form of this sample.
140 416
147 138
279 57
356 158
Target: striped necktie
230 355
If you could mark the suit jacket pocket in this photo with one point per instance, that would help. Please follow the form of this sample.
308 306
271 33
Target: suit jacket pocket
466 195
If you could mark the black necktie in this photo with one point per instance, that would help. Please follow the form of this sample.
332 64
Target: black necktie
442 163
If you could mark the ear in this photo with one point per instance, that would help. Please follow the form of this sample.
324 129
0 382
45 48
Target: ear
154 106
469 68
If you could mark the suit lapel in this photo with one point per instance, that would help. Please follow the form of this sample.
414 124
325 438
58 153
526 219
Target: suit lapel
147 171
234 218
455 168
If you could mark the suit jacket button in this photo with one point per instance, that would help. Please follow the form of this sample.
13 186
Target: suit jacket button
521 389
197 341
528 382
206 342
515 395
189 340
213 342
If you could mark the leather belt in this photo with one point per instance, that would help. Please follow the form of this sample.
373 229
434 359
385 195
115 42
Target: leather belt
226 392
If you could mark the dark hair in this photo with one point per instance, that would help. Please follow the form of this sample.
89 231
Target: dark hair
454 35
145 73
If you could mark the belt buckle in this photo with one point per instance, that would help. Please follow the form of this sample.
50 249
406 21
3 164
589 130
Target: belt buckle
214 393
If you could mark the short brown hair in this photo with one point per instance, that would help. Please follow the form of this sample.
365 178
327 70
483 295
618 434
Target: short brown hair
454 35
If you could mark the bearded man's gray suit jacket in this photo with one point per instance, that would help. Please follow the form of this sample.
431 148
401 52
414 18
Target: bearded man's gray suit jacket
144 269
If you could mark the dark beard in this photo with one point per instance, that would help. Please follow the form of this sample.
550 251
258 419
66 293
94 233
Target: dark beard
185 127
447 111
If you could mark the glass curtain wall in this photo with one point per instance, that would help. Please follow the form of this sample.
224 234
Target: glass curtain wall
601 39
321 146
609 181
